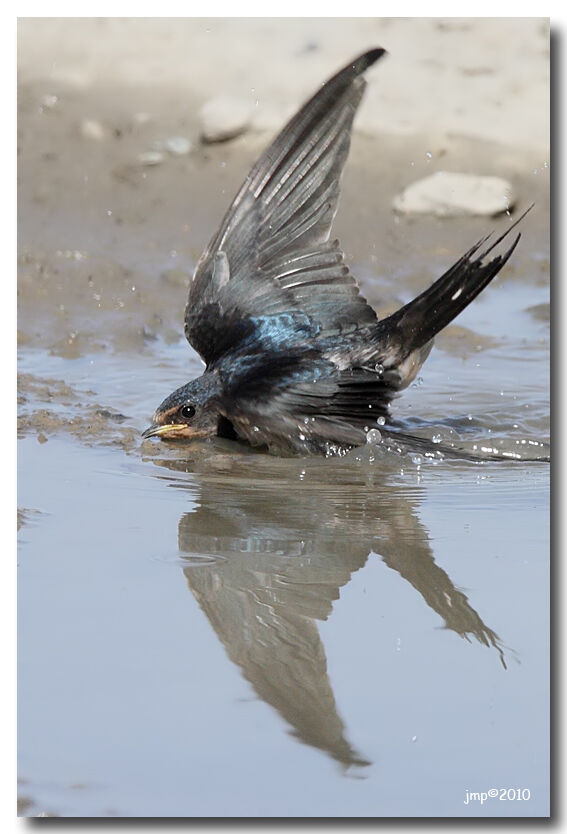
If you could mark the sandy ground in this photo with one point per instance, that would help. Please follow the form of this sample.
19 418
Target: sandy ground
475 77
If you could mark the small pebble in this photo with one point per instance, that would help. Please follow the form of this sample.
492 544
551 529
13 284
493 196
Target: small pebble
446 194
49 101
91 129
224 118
150 158
177 145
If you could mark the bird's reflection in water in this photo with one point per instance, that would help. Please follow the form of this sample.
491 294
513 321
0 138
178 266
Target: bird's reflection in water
268 551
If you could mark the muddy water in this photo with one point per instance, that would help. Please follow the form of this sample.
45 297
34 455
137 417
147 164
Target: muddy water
209 631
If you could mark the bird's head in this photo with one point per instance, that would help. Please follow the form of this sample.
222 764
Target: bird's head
191 412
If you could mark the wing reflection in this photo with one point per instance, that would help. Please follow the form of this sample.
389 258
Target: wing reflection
268 559
263 608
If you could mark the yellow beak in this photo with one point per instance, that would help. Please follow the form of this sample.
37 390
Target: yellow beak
158 431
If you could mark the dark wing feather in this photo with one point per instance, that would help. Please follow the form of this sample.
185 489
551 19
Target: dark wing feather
272 252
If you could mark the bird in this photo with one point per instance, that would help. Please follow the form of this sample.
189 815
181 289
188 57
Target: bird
296 361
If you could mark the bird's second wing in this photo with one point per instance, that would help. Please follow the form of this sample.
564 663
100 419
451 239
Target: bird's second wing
272 252
301 403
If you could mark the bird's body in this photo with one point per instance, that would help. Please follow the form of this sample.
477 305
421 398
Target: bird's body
296 360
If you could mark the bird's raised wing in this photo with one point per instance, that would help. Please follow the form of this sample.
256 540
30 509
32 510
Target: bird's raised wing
272 252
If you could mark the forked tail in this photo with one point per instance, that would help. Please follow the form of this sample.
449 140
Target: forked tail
414 325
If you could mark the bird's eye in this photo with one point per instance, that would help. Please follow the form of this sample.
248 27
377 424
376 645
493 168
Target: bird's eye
187 411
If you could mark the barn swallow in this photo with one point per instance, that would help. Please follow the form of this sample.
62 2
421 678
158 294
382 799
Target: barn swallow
296 359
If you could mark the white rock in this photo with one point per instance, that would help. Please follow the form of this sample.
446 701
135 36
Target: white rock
177 145
447 194
91 129
224 118
150 158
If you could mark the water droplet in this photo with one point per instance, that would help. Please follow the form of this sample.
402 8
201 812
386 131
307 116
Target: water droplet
437 438
417 459
373 437
381 421
379 368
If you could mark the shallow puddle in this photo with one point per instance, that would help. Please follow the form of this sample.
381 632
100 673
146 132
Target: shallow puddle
217 637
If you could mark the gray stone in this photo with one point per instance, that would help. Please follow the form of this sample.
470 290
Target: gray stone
224 118
448 194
